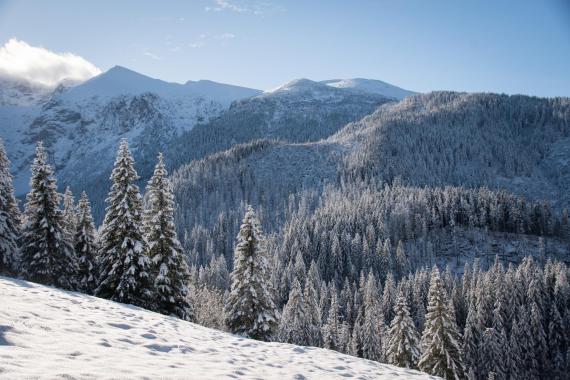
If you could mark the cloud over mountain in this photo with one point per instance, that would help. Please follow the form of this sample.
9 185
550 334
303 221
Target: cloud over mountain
39 65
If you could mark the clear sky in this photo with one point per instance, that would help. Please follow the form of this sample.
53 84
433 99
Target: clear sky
515 46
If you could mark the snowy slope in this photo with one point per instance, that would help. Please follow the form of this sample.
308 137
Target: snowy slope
371 86
49 333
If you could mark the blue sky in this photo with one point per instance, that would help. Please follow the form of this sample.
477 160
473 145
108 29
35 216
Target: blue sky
500 46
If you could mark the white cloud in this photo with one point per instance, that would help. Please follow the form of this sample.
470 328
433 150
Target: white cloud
225 5
226 36
39 65
196 45
255 7
151 55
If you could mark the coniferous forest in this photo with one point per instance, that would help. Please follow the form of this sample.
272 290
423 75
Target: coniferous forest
381 272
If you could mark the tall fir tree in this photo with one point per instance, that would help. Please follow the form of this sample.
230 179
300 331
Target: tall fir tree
472 340
86 247
492 358
440 340
538 342
403 349
9 218
313 311
170 271
124 265
293 325
373 324
250 309
331 329
402 262
47 255
556 342
69 215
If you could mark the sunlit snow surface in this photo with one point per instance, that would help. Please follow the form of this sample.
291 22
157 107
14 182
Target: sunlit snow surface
49 333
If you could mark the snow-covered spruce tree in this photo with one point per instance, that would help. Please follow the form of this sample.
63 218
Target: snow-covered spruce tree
492 358
402 262
440 340
331 329
293 325
373 324
9 217
312 309
47 255
123 261
169 269
85 247
250 310
403 348
69 215
472 341
556 342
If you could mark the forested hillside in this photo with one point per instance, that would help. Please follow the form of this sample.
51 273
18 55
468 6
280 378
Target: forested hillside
435 140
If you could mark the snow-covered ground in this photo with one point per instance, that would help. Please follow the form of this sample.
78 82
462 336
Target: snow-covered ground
49 333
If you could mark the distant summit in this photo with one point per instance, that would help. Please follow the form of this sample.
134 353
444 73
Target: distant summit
370 86
122 81
332 86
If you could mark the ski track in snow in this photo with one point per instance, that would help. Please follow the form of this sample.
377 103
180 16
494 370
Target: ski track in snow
50 333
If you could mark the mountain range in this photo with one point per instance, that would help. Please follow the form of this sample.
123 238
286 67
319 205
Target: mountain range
81 124
227 145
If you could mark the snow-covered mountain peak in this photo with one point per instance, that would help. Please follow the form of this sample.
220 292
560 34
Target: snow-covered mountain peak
304 89
295 85
333 87
372 86
120 80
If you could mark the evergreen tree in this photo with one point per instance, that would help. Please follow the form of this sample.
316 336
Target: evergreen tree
313 312
69 215
331 329
472 340
402 262
515 365
403 348
356 338
86 247
373 324
170 271
389 298
492 358
556 343
293 326
440 340
124 264
538 342
9 218
47 255
250 309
